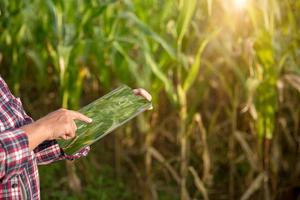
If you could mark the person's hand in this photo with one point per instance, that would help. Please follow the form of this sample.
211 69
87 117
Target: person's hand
56 125
60 123
143 93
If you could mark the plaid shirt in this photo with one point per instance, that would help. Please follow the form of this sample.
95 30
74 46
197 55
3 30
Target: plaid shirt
19 178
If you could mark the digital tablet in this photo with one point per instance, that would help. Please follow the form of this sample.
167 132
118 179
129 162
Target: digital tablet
108 113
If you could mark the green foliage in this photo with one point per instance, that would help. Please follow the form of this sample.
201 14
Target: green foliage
224 80
187 9
102 187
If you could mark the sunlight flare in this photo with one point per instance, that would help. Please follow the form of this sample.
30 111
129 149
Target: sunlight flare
240 4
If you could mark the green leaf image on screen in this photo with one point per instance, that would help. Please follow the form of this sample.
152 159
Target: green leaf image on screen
108 113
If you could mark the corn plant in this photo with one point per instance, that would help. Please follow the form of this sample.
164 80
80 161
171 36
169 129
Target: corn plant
224 76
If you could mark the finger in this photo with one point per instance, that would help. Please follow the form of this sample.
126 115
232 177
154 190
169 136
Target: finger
79 116
143 93
137 91
73 126
151 108
66 136
70 133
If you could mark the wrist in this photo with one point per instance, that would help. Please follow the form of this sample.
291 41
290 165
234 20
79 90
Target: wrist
37 129
43 130
35 133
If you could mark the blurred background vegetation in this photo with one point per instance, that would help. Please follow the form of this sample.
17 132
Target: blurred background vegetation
225 81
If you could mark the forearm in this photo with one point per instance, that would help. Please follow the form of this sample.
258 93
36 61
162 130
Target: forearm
36 134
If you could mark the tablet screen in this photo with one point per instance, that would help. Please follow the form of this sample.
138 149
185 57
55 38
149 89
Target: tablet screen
108 113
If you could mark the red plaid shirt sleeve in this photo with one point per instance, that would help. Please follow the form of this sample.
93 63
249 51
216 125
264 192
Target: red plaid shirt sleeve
14 153
49 151
19 177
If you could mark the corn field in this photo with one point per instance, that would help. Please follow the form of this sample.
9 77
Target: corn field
225 80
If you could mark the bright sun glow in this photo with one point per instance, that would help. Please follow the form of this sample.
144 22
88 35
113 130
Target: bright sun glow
240 4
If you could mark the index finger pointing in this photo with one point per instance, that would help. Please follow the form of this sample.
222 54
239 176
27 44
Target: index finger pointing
80 116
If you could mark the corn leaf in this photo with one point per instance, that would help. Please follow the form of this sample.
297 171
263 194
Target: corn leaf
161 76
149 32
185 17
193 72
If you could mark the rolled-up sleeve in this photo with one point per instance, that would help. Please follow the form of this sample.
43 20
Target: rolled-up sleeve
14 153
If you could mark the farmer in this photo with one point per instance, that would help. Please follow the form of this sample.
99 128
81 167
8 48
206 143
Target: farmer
24 144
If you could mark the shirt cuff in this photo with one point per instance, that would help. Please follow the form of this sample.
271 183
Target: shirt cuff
17 153
47 152
81 153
